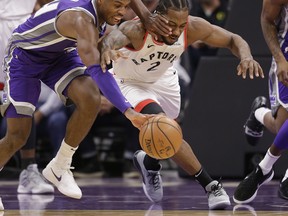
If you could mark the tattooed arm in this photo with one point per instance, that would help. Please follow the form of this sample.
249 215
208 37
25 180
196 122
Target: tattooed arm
129 33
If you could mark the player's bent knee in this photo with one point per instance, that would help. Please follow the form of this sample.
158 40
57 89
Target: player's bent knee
85 94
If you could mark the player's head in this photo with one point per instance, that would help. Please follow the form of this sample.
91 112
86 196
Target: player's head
176 12
112 11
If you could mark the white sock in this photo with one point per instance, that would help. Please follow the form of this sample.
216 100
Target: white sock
260 113
286 176
268 161
65 154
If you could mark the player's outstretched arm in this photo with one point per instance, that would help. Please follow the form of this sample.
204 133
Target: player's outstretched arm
215 36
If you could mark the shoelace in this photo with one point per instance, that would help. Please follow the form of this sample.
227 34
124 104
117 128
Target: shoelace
154 180
216 189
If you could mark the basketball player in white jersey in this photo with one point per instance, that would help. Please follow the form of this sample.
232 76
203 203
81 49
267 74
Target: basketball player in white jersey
12 13
149 81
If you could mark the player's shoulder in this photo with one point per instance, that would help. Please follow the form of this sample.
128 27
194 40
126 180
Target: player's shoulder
196 24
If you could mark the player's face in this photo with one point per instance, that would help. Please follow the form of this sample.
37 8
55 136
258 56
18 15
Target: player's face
177 22
112 11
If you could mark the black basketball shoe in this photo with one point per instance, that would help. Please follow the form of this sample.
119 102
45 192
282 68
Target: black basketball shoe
246 191
253 128
283 189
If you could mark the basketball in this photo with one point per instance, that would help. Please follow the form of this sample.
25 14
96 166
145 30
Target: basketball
160 137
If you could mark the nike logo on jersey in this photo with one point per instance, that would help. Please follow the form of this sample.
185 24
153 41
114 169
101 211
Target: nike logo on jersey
58 178
150 45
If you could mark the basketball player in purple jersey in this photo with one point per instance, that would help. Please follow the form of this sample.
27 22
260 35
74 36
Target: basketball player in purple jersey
274 26
59 46
150 82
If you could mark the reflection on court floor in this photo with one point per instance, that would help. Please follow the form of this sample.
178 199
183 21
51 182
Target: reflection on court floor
124 197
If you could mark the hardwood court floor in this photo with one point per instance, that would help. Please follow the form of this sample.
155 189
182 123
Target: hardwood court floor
124 197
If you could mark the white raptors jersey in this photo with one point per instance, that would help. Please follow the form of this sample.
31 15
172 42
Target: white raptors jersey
150 62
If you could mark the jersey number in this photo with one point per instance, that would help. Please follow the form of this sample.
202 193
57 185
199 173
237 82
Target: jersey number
154 65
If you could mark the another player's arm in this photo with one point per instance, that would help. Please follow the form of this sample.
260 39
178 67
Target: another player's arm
270 12
215 36
154 23
128 33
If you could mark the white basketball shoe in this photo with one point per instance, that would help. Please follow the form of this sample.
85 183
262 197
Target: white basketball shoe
62 178
31 181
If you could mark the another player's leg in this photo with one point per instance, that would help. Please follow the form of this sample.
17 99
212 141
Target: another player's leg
30 179
246 191
253 127
86 97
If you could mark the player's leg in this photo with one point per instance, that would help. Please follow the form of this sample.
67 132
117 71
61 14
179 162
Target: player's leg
85 95
187 160
148 166
260 115
30 179
280 144
68 81
247 190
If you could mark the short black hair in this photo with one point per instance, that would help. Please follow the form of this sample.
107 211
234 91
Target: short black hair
178 5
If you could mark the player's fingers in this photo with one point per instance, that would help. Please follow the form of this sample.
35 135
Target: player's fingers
251 69
241 70
103 63
260 71
163 25
122 55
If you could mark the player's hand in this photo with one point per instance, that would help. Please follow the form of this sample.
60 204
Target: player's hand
110 55
136 118
251 66
282 72
157 25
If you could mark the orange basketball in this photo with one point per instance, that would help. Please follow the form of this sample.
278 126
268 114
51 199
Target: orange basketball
160 137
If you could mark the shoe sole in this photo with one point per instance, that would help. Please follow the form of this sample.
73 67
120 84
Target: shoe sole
22 190
220 206
254 195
